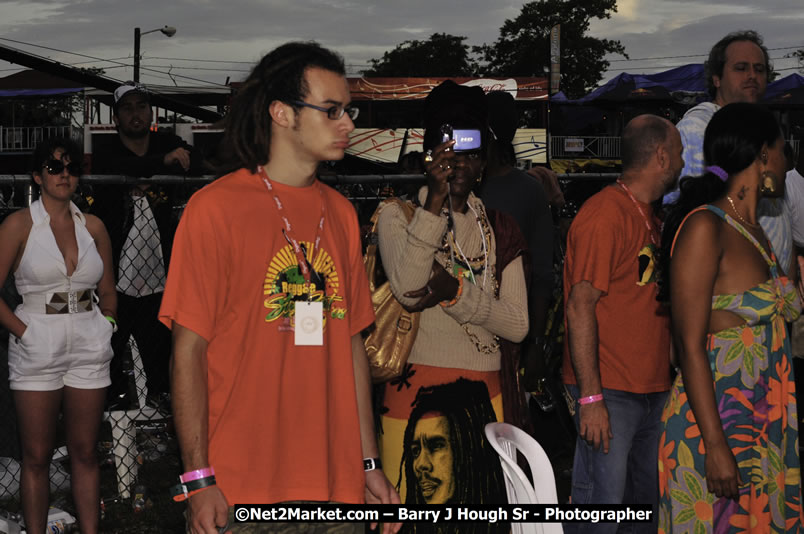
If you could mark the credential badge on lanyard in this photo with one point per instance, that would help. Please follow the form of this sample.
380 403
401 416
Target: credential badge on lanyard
308 315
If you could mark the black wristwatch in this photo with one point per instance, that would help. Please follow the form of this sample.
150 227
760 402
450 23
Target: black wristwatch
370 464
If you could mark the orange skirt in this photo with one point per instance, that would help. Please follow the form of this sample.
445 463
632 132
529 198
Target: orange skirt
432 428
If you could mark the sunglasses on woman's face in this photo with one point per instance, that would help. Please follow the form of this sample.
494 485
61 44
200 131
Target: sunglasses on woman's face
56 166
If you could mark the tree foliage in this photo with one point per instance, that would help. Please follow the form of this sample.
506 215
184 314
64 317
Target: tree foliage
440 55
28 111
523 47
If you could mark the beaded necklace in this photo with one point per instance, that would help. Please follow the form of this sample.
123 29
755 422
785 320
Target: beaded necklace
450 244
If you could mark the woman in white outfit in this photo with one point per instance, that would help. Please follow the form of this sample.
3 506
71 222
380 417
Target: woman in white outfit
60 342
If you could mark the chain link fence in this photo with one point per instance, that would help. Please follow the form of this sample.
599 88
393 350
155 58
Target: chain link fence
137 448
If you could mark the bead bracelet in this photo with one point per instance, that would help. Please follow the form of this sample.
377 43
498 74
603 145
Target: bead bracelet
456 297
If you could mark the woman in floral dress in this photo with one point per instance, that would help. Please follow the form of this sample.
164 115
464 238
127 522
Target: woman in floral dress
728 457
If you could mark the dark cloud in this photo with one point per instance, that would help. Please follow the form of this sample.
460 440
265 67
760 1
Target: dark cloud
779 23
243 30
362 22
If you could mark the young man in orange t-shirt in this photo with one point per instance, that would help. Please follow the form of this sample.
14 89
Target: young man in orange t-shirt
617 355
266 297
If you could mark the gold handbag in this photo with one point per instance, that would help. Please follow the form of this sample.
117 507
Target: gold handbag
388 344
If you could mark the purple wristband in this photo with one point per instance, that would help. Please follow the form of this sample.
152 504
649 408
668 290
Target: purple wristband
189 476
590 399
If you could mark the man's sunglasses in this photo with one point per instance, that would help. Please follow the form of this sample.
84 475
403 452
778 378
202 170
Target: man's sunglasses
56 166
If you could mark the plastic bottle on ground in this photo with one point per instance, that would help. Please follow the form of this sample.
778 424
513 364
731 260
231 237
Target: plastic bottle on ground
138 501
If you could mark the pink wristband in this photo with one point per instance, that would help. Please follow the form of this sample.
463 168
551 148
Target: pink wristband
590 399
189 476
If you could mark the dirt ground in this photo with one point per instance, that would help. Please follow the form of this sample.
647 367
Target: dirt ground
158 471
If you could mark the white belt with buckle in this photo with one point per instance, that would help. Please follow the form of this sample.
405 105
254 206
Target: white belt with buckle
58 302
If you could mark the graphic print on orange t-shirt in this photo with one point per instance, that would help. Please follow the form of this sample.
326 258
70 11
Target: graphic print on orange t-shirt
647 265
284 285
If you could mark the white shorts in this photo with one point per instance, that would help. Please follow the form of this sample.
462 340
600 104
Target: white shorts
57 350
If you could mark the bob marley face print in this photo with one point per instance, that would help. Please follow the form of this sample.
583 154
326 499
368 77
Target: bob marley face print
446 458
431 451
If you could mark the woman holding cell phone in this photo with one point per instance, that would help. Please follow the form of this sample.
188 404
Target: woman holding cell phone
60 336
459 265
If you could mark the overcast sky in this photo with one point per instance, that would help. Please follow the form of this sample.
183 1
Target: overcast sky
222 38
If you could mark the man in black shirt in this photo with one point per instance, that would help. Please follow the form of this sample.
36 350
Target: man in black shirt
517 193
141 223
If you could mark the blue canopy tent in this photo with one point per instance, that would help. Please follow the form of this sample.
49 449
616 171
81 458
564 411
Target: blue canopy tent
13 93
603 113
684 80
687 80
34 83
786 92
606 109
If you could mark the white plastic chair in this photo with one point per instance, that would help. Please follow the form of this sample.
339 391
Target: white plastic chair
506 440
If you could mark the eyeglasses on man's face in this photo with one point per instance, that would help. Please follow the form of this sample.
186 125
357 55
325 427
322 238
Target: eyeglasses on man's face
333 112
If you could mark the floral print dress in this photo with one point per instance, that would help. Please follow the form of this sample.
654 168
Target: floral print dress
755 392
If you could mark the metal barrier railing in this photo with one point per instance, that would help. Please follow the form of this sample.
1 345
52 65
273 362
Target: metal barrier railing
375 184
135 447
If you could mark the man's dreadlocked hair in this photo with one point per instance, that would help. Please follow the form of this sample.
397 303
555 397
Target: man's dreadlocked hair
280 75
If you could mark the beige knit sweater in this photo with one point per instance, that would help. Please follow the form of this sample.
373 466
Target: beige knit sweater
407 255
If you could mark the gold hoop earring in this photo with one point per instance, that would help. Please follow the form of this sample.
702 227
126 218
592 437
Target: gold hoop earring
768 183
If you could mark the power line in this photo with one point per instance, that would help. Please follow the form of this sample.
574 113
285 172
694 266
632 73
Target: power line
789 68
693 55
366 64
202 60
113 60
125 65
666 67
21 68
110 61
198 68
171 76
58 50
655 58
